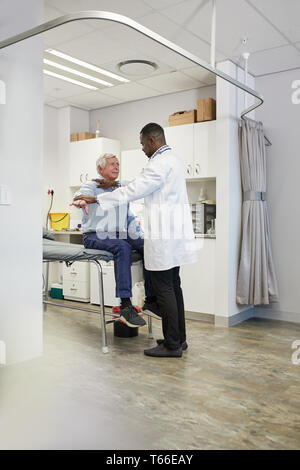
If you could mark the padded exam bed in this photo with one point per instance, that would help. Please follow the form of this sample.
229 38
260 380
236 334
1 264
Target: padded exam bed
54 251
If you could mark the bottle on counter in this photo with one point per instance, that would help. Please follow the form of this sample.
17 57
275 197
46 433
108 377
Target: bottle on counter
202 195
98 129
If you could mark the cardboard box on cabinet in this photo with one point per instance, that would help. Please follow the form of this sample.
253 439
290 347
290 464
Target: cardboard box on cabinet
82 136
86 135
206 109
74 137
183 117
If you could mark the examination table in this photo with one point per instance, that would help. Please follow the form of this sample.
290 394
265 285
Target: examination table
54 251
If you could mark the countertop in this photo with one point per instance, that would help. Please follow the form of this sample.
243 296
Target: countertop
66 232
78 232
205 235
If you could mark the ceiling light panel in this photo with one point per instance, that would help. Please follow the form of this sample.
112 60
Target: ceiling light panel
68 79
77 72
84 65
61 90
72 76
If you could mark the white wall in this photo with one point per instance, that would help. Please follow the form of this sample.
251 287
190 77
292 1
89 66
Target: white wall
56 159
58 125
79 120
124 121
281 119
50 157
21 150
230 103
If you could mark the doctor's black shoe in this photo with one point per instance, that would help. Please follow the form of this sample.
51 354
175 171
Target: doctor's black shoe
151 309
131 318
162 351
184 345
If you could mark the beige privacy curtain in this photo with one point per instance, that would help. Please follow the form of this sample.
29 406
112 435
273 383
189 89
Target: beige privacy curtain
257 284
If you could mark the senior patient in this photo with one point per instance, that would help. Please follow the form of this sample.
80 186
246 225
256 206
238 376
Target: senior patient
116 231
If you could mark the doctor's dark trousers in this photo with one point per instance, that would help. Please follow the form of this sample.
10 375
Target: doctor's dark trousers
167 288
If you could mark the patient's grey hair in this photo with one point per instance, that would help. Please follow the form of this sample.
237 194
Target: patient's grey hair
101 161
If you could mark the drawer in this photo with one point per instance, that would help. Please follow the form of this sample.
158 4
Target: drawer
76 290
78 271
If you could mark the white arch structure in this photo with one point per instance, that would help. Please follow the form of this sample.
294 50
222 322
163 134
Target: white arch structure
114 17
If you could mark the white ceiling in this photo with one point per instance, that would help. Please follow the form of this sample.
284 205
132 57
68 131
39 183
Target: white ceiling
271 26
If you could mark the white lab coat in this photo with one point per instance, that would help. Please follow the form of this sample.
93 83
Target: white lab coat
169 236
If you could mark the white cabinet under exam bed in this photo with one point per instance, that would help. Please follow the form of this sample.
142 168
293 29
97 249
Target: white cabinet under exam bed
76 282
109 284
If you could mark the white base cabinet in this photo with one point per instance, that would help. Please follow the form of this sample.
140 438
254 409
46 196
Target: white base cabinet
198 279
109 287
76 282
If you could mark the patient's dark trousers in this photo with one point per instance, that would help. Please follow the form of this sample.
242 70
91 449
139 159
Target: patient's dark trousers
121 250
166 286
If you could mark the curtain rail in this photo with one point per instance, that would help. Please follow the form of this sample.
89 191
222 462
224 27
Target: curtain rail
105 15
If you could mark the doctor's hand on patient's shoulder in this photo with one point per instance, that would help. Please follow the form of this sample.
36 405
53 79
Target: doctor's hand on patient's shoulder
83 202
105 184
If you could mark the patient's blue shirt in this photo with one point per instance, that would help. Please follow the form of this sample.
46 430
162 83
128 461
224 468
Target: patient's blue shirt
118 219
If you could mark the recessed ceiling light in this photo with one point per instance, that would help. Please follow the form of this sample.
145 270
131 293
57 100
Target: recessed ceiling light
86 65
71 80
137 67
76 72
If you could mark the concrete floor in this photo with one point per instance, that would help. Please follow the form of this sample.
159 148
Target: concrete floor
233 389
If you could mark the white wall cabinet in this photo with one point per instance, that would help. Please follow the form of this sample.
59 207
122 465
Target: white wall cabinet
195 144
181 139
132 163
83 156
198 279
205 150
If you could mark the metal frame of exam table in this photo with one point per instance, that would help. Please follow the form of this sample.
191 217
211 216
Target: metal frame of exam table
102 311
105 15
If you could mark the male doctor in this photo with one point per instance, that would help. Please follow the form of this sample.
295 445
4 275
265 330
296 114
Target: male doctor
169 238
